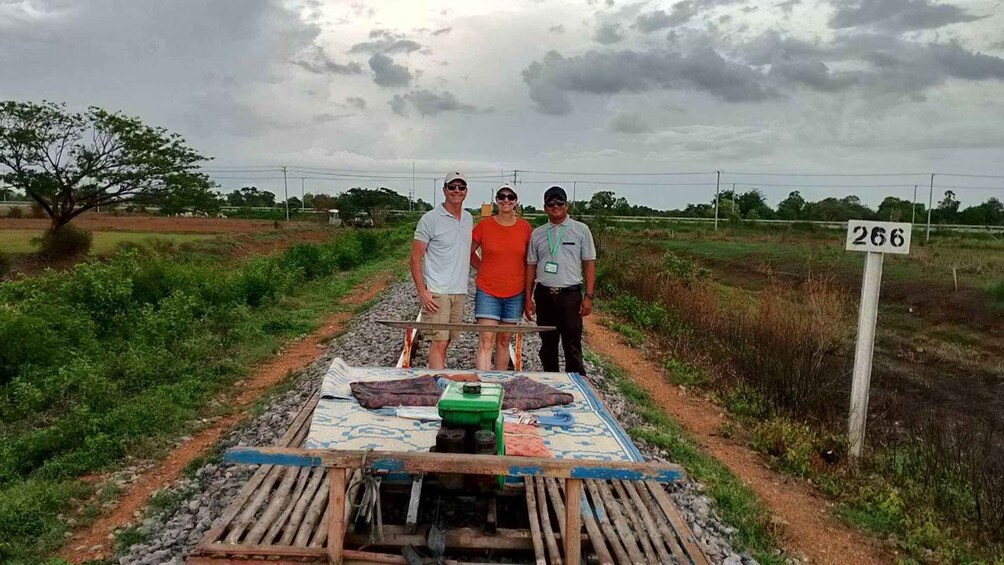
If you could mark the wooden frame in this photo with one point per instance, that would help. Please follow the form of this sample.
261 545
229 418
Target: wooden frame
572 471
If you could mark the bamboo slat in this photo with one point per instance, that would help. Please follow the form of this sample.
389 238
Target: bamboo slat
637 525
276 527
313 511
624 533
545 519
300 508
661 535
531 509
687 539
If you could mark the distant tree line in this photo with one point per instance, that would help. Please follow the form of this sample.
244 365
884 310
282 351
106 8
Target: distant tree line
752 205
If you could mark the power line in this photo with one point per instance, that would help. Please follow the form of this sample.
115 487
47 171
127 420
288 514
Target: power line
616 174
827 174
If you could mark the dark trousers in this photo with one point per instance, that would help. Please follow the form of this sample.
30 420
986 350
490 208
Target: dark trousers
562 311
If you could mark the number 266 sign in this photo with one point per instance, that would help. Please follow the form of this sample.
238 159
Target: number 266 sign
878 237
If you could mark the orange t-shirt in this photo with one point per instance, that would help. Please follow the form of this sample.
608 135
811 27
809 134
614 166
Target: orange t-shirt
503 256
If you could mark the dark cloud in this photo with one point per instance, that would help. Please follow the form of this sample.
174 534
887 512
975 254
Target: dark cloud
388 73
681 13
629 123
555 77
386 43
398 105
559 29
788 5
326 117
320 63
882 63
356 102
897 15
429 103
442 31
608 33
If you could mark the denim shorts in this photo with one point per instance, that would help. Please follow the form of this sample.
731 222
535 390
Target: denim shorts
508 310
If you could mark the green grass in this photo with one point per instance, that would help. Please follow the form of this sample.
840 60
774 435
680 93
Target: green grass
144 343
20 241
737 505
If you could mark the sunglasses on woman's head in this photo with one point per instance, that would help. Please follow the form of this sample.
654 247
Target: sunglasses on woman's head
506 196
456 187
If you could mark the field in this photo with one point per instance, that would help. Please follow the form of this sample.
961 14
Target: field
142 223
135 351
20 241
764 319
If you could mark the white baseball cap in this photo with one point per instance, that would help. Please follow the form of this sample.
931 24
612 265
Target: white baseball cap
454 175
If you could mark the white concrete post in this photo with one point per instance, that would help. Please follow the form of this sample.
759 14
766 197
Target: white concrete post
867 318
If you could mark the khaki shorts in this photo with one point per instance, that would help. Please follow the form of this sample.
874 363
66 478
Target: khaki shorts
451 309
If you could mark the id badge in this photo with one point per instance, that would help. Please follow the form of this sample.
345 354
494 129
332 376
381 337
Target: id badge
550 267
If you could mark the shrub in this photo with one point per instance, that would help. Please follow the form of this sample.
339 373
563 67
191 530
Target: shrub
793 445
6 264
15 212
996 291
68 241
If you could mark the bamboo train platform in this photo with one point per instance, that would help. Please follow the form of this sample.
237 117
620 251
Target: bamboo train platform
283 514
323 496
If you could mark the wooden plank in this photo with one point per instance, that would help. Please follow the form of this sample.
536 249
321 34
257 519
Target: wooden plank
668 535
462 327
315 507
410 335
215 533
411 521
545 519
336 514
623 530
634 520
240 524
264 550
301 483
463 463
687 539
299 509
595 536
465 538
603 517
573 525
531 509
277 501
559 505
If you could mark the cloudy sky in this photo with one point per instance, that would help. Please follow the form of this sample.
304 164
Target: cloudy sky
557 89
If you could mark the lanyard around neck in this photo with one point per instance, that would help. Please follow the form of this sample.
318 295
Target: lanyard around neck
553 247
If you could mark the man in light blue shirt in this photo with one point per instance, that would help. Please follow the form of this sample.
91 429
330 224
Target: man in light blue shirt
443 240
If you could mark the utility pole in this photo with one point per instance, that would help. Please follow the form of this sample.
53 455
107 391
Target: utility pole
718 183
433 193
913 210
573 192
733 198
303 196
930 204
285 190
411 197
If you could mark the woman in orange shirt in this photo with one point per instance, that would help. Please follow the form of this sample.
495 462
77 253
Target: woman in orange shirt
503 240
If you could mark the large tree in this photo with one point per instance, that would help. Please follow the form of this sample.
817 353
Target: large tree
71 162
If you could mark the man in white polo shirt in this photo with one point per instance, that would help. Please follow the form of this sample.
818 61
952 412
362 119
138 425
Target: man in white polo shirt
443 239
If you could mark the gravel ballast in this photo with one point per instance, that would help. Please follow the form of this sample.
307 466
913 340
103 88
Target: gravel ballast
170 536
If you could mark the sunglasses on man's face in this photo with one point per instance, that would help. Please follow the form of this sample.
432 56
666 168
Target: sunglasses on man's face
506 196
456 187
554 203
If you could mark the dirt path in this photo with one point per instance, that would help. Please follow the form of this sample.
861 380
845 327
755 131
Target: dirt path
93 543
809 529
